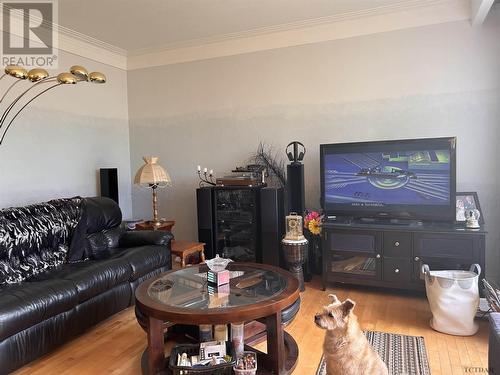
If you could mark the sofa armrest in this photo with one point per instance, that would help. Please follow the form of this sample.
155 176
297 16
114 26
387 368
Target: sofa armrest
494 343
146 237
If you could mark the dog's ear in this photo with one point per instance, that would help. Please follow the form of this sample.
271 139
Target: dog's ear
347 306
334 298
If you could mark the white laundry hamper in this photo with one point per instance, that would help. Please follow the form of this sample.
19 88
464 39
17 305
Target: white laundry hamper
453 298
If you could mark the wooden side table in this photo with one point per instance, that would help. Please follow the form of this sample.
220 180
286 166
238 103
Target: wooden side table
180 248
148 225
183 249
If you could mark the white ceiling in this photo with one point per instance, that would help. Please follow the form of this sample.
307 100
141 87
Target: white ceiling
143 24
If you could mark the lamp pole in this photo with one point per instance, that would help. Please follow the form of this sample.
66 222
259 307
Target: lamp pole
156 222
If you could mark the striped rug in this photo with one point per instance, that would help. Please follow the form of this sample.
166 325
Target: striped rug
403 355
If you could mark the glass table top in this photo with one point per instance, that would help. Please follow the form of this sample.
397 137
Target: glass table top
188 287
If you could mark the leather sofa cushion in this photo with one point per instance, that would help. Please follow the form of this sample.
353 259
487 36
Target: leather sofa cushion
113 236
146 237
143 259
35 341
97 245
101 213
101 244
26 304
91 278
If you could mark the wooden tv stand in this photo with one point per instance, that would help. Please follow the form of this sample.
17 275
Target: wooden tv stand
391 256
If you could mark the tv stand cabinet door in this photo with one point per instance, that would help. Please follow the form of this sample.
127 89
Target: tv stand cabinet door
443 245
447 251
351 255
360 241
438 264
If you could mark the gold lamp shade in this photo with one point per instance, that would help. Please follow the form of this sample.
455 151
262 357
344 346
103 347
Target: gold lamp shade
36 75
152 173
16 71
79 72
66 78
97 77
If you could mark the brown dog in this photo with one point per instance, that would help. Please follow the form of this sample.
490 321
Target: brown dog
346 349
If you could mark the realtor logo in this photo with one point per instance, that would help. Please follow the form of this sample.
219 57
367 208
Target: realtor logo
29 33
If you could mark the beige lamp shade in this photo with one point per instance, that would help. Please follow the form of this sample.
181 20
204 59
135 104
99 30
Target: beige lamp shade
152 173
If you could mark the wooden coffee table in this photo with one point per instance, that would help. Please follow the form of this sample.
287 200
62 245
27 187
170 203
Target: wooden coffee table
257 292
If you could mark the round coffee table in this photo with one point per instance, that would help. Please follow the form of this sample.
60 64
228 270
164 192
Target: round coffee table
255 292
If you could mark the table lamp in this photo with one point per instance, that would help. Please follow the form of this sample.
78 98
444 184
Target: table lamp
153 176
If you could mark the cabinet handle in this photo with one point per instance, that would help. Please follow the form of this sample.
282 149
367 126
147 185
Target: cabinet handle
396 243
396 270
378 256
417 259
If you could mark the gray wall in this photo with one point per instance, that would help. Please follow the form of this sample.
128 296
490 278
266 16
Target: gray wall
56 146
441 80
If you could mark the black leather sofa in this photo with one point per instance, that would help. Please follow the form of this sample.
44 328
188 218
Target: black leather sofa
46 310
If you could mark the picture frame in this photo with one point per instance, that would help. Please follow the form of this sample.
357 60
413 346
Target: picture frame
467 201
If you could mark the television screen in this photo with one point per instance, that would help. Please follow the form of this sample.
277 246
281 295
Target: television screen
399 179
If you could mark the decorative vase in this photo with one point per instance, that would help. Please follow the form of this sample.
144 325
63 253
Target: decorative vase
295 252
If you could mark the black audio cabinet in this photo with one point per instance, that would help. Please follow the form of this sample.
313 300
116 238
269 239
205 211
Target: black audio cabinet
241 223
392 255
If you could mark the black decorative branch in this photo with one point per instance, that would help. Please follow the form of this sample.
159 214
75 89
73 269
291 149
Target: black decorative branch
274 164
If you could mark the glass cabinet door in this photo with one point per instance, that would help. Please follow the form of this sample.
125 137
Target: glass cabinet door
236 224
352 253
354 264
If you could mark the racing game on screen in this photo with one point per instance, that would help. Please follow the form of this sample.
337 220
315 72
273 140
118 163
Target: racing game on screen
388 178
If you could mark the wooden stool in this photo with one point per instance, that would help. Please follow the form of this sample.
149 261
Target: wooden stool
183 249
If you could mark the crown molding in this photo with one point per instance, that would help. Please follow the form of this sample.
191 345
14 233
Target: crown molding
91 48
302 24
402 15
79 44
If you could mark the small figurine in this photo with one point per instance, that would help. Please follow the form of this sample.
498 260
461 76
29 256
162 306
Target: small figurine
472 219
184 360
246 362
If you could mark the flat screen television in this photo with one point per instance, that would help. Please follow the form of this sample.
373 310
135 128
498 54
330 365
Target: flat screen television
401 179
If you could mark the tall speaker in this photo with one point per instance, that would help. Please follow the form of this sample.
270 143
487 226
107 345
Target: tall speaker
109 183
272 216
205 211
295 187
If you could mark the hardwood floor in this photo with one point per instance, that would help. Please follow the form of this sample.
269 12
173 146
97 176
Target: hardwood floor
115 346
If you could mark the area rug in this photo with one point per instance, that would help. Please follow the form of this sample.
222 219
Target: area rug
403 355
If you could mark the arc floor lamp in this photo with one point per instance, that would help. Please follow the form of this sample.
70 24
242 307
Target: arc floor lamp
38 78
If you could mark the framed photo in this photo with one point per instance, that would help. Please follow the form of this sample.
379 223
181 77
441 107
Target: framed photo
467 201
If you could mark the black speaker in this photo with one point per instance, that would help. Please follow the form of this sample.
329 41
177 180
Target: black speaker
204 204
295 187
272 215
109 183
